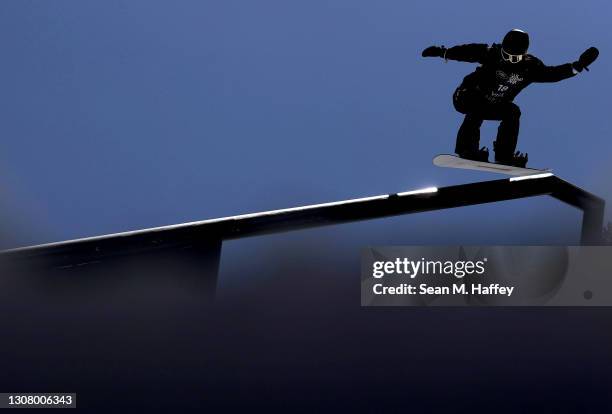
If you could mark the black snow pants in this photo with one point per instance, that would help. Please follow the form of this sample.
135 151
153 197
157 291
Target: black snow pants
476 109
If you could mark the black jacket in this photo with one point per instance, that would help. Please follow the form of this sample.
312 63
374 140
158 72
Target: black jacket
501 81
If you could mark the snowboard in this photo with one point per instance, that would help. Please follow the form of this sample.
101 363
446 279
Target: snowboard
453 161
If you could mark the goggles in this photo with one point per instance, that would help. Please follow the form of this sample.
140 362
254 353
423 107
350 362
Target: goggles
511 58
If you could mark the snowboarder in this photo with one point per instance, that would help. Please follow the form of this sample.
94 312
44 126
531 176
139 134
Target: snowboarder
488 92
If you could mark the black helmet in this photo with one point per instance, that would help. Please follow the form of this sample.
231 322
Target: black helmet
515 45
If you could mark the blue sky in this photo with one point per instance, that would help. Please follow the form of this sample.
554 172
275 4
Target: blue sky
120 115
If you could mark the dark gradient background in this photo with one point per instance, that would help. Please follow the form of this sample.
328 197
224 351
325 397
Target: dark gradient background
121 115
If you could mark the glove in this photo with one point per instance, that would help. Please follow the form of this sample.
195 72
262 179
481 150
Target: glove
586 58
434 51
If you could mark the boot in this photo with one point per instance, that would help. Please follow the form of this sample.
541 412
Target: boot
517 160
478 155
504 155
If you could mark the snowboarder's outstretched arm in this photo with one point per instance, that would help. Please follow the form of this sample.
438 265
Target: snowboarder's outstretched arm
471 52
545 73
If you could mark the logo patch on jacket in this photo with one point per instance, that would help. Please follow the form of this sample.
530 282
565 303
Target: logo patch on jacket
514 79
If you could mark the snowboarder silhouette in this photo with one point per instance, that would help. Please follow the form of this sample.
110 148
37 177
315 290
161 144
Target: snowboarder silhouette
488 92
